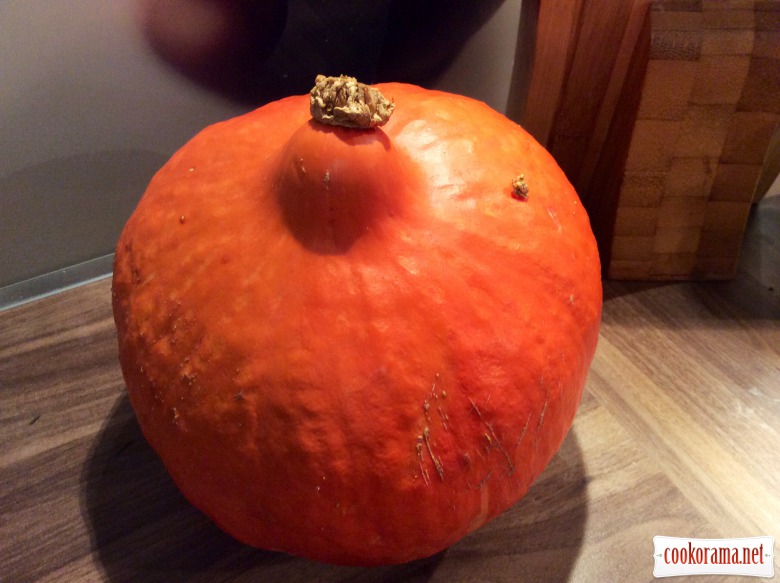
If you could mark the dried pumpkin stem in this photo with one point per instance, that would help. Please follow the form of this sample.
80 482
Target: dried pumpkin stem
344 101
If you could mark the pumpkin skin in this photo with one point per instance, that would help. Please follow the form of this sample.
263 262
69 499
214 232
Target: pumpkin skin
357 346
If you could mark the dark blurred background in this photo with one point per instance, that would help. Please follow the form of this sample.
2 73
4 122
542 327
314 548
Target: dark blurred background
97 95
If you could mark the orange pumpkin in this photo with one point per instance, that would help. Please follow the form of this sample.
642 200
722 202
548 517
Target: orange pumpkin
357 345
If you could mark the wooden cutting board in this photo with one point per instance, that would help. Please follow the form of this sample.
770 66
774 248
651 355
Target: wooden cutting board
661 113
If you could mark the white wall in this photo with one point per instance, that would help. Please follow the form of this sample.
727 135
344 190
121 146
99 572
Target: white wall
88 114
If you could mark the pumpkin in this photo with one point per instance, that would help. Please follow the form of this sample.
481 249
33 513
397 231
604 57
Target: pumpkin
357 337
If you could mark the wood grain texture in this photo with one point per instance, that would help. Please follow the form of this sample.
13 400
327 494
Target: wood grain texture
557 27
583 95
676 435
607 36
704 125
659 90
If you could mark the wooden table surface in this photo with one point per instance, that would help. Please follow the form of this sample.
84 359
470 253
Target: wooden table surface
677 435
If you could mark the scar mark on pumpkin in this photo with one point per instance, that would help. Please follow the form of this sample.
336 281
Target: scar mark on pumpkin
436 461
539 425
444 418
555 220
523 432
420 459
544 409
492 438
433 386
483 480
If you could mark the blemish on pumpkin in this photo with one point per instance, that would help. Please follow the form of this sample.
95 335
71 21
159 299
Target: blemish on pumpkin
522 433
492 438
483 480
520 188
433 386
444 419
326 179
410 265
423 471
426 408
181 219
175 415
436 461
544 408
555 220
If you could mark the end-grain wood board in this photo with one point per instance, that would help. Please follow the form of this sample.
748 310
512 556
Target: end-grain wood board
665 115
